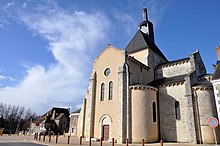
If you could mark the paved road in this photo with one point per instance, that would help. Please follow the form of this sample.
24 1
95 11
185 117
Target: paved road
29 141
18 141
8 143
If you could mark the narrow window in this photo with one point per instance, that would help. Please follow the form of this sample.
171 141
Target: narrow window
102 91
110 90
177 110
154 112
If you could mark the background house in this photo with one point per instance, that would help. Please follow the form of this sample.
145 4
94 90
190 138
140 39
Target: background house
55 120
73 122
216 81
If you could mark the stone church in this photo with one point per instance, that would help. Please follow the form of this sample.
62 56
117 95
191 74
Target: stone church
137 93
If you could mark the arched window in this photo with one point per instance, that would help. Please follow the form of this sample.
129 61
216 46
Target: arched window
102 92
154 112
110 94
177 110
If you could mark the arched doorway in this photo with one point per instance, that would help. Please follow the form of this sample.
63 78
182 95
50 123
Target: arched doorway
105 134
105 127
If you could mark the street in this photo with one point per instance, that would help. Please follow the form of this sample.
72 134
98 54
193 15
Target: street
18 141
19 144
15 140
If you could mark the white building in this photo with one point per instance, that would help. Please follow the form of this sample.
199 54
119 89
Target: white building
216 81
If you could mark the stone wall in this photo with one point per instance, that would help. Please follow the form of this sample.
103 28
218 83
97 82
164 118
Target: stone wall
122 104
206 109
172 129
173 69
139 73
154 59
197 64
81 120
89 112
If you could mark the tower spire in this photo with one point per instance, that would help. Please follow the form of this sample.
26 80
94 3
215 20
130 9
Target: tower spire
144 14
146 26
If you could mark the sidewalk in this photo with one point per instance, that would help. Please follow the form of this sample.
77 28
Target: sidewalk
62 141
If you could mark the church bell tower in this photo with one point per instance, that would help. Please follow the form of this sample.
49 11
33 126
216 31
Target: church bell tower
146 26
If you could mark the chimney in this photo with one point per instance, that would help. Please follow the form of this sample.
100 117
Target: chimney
144 14
218 52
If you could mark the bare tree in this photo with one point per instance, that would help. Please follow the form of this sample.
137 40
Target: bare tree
15 118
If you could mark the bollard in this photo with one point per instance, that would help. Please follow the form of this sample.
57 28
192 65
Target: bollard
44 138
80 140
161 142
57 138
101 141
142 142
126 142
90 141
113 141
49 138
68 140
39 137
34 135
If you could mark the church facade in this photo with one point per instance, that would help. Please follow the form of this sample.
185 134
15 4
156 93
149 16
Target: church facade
136 94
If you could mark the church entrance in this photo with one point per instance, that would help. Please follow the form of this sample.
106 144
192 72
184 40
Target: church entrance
105 132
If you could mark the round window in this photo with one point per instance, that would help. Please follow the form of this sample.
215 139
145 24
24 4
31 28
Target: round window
107 72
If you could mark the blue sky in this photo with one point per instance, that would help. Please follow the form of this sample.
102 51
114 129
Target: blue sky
47 47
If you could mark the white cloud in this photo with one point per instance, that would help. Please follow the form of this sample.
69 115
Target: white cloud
72 38
9 5
2 77
24 4
3 22
78 106
156 10
127 21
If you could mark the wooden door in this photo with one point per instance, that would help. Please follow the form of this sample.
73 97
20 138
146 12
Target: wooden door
105 132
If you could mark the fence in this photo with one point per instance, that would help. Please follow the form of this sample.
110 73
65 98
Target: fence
67 140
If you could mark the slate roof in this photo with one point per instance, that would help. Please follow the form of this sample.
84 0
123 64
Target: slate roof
48 114
216 74
141 41
60 116
170 80
76 111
